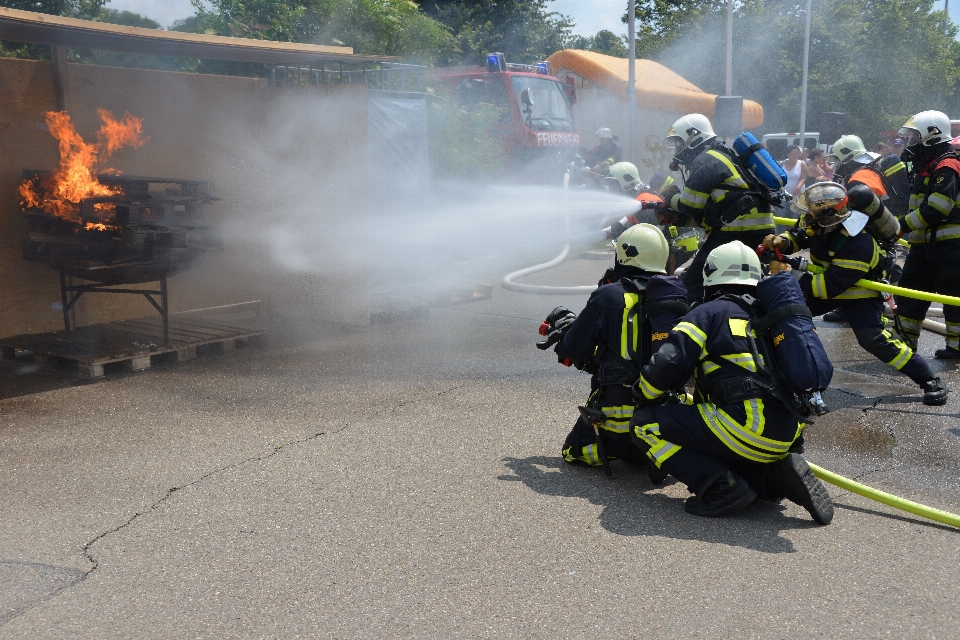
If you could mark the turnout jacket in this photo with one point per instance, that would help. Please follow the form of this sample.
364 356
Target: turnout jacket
718 198
934 212
760 429
846 257
608 335
604 330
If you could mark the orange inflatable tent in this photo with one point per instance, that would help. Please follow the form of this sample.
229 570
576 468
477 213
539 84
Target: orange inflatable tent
657 87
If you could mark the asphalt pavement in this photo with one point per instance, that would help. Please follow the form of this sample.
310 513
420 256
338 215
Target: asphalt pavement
405 481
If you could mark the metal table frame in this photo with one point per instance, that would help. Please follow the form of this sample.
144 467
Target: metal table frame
78 290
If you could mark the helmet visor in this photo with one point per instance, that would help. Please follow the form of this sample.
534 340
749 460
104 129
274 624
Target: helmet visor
676 142
910 136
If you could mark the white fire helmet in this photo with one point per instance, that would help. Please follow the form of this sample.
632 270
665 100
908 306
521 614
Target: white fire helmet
850 148
643 246
604 132
926 128
626 174
691 131
731 263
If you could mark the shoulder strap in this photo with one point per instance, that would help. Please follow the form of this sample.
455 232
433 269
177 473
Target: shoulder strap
786 311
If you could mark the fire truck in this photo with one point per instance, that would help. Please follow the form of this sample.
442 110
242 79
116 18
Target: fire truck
536 126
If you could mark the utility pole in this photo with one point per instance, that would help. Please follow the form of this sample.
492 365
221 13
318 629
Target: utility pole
803 90
729 47
632 77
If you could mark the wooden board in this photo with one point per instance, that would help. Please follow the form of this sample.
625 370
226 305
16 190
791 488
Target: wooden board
133 343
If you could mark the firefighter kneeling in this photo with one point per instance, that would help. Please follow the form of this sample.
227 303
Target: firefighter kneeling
612 337
734 444
834 225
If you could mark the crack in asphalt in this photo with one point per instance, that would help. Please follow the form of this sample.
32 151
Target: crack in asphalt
87 549
258 458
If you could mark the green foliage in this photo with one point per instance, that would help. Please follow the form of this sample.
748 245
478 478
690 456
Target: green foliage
72 8
459 138
523 30
878 61
606 42
127 18
381 27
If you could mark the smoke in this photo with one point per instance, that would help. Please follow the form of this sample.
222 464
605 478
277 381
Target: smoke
311 218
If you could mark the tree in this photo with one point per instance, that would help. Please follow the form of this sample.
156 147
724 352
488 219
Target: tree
71 8
605 42
878 61
523 30
380 27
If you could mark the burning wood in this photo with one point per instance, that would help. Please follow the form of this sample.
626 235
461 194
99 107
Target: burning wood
62 193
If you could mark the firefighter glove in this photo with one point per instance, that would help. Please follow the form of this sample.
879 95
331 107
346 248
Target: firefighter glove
616 229
773 242
669 192
560 317
776 267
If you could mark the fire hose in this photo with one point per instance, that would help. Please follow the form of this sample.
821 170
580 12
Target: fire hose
802 264
508 280
886 498
792 221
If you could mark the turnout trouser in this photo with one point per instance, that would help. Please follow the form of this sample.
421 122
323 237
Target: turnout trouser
698 444
616 401
866 321
932 267
693 275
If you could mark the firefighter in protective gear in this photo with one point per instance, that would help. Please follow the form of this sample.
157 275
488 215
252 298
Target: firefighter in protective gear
932 226
727 449
833 226
715 196
683 242
855 165
606 151
605 339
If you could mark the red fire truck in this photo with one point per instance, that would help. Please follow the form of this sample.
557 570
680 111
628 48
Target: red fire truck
536 126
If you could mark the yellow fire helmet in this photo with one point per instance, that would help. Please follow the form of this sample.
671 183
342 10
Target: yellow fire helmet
732 263
643 246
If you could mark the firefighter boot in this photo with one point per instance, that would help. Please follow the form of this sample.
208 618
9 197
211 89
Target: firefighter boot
722 496
934 392
837 315
796 481
948 353
655 473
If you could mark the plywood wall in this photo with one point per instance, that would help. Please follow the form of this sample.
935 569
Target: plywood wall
284 163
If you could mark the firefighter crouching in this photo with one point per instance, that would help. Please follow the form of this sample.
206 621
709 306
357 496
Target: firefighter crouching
833 226
932 227
727 450
607 339
715 196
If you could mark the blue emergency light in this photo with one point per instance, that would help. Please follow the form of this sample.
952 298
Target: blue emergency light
544 69
496 62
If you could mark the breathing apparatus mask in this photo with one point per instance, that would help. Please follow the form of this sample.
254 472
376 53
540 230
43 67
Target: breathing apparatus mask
926 136
822 206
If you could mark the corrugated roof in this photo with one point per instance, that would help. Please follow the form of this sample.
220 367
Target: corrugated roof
657 87
39 28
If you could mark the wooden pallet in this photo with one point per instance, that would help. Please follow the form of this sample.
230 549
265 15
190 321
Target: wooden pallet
131 344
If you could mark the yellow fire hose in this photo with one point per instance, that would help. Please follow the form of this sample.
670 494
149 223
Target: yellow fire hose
886 498
792 221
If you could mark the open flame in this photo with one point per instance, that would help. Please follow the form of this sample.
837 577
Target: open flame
76 179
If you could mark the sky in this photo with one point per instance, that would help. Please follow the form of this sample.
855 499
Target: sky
590 15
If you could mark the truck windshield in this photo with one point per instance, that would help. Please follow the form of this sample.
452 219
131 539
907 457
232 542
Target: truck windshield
549 111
